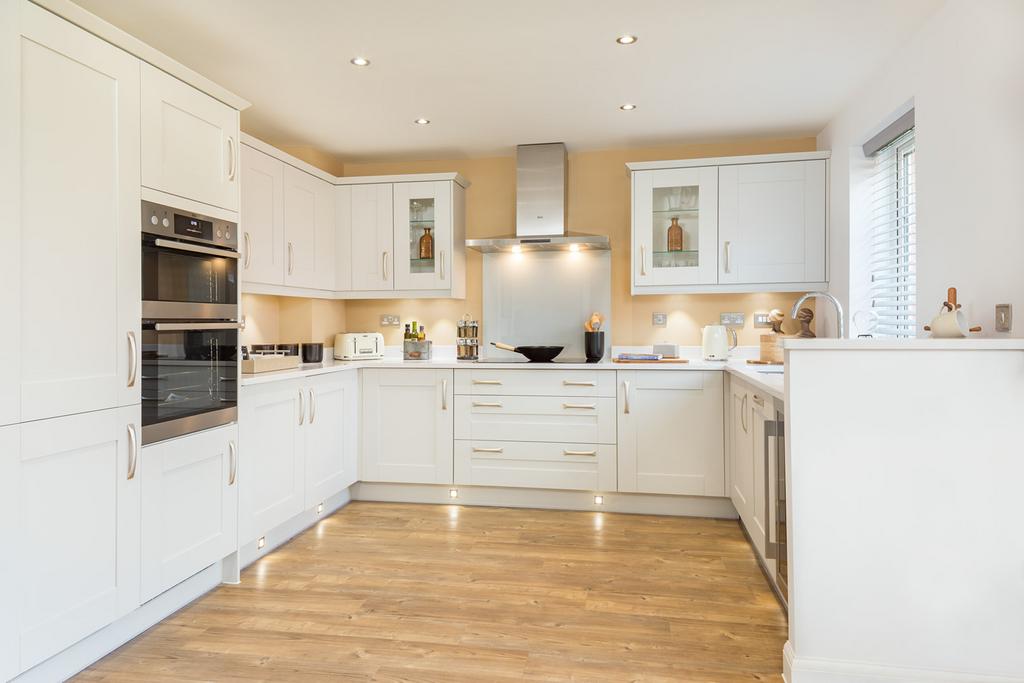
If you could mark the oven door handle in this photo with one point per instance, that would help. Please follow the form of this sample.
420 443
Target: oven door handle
187 327
196 248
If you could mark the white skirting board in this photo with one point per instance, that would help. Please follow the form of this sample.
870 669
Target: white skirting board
493 496
812 670
96 646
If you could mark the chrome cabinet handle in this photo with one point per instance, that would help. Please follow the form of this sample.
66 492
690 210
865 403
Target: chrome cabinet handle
384 265
233 457
133 451
444 394
587 406
487 381
743 414
568 452
231 158
625 393
312 407
442 264
486 405
291 258
248 250
759 400
488 450
643 260
133 359
770 430
728 257
570 383
302 409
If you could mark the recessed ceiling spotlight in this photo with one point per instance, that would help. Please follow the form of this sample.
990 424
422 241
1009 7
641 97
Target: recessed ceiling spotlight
626 39
421 122
628 107
360 61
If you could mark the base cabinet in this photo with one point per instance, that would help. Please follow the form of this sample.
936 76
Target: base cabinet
670 432
76 483
535 465
298 446
750 454
407 426
272 468
189 506
10 457
332 439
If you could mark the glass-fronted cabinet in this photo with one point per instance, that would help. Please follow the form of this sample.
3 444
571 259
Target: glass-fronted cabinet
675 227
423 235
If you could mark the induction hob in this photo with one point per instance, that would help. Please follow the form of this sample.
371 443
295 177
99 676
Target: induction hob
559 359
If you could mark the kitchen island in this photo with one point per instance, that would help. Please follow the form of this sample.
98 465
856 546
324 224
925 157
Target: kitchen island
905 477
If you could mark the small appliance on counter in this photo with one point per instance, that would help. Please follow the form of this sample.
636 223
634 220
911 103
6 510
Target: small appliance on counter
715 343
359 346
312 353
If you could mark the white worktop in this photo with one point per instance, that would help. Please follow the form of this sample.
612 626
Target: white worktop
444 358
965 344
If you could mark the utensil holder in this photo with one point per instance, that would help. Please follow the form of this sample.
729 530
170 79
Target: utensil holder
593 343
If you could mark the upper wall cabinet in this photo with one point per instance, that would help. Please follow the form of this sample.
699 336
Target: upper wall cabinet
189 142
287 223
308 233
76 245
734 224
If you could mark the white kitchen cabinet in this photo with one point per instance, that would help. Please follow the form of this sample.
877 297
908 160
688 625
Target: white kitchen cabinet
78 243
308 230
762 410
407 426
189 506
771 222
10 560
670 432
262 218
189 141
332 439
10 227
543 465
423 213
272 466
554 419
741 449
565 383
372 236
77 486
745 224
298 446
681 202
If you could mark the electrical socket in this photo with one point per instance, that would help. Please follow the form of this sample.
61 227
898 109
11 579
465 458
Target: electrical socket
1004 317
389 320
761 320
659 319
732 319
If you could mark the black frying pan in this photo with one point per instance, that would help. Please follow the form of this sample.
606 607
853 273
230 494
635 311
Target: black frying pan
535 354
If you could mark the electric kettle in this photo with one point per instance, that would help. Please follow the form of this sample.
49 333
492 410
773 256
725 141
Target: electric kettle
715 342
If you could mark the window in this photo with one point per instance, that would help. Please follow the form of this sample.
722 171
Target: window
892 239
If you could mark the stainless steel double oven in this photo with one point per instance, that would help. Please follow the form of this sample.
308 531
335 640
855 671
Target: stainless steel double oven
189 322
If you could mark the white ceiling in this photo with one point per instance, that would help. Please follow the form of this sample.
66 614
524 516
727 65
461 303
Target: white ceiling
491 74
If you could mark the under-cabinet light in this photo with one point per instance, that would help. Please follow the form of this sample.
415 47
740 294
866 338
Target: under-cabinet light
598 500
261 542
359 61
319 508
421 121
453 493
627 107
574 247
626 39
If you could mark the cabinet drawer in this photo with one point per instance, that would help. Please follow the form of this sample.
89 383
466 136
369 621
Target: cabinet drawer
577 466
560 419
535 382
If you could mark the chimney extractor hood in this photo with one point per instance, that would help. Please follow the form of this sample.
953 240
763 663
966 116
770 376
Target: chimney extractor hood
540 206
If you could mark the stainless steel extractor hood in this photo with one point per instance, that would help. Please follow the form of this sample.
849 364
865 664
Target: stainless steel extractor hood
540 206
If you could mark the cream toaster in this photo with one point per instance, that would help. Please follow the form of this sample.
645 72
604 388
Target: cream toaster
358 346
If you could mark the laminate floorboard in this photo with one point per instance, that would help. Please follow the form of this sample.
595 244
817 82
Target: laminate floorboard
425 593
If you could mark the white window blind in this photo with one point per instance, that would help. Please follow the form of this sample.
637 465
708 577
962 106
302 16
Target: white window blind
893 260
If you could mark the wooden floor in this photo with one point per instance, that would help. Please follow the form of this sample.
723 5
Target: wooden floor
389 592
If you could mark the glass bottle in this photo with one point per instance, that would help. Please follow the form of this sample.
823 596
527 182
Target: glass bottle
408 332
427 244
675 235
423 333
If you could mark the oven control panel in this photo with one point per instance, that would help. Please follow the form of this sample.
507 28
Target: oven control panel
167 221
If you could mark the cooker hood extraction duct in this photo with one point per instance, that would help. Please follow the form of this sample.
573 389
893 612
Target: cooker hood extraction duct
540 207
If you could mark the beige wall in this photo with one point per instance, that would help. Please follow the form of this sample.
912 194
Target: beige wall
599 202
